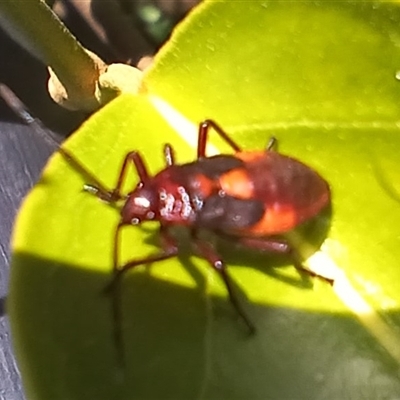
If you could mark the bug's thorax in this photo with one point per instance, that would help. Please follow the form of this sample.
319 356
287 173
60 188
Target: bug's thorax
178 202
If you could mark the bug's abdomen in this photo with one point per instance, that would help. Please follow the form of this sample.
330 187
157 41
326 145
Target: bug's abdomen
289 191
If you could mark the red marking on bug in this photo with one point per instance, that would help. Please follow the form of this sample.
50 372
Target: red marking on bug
237 183
275 221
280 218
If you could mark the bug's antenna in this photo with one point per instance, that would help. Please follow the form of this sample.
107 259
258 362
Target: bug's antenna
21 111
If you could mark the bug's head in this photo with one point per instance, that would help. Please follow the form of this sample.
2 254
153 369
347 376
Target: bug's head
141 205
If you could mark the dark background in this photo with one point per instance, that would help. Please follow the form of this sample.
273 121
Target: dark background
22 157
23 153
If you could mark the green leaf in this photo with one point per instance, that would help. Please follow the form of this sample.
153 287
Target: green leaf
321 77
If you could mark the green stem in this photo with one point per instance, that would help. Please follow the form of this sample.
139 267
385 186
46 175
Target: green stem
34 25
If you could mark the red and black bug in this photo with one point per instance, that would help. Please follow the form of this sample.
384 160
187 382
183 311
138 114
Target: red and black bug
249 197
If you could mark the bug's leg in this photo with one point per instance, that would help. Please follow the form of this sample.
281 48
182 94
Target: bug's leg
169 250
272 144
169 155
281 246
204 128
115 194
207 251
